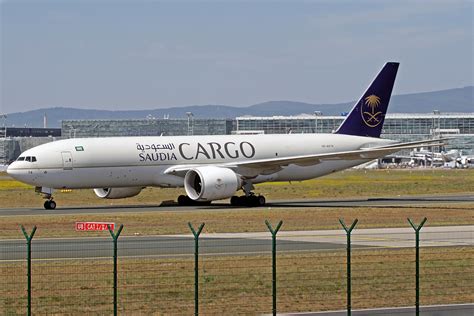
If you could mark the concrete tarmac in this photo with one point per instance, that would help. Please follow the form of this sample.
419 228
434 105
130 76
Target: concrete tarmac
406 201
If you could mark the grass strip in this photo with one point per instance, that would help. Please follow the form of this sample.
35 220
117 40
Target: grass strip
313 281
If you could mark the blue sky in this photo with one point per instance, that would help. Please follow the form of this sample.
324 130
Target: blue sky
154 54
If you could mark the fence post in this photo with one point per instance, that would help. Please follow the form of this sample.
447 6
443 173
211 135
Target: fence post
115 237
348 234
274 233
417 260
28 263
196 265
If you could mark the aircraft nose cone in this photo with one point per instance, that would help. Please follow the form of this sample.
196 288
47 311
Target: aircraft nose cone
18 173
11 170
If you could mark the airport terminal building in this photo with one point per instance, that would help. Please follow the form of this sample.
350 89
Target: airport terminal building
404 127
146 127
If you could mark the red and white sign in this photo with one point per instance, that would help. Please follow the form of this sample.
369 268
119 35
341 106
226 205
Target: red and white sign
94 226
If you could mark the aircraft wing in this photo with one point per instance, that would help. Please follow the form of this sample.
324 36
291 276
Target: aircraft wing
307 160
418 142
253 168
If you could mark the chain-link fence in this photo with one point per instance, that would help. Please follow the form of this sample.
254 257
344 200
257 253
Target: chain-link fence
235 272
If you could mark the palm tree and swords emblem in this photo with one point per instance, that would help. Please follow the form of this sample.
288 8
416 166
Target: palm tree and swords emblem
371 118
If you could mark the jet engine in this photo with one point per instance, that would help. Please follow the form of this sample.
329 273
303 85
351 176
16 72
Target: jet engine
211 183
117 193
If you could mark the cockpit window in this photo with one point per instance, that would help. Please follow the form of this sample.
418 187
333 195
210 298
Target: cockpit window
28 158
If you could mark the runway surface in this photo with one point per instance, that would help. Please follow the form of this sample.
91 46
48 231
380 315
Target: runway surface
434 310
234 243
406 201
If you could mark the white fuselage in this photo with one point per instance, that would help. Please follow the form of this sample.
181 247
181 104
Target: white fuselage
142 161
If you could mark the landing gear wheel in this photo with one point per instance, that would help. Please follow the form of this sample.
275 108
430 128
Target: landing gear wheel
183 200
235 201
252 200
49 205
249 201
52 205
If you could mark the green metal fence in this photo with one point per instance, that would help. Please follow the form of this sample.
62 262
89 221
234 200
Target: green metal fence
208 274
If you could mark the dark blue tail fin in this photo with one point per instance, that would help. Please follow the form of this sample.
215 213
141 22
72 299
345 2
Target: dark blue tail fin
367 116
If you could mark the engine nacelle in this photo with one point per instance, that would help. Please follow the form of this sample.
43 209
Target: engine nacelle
211 183
117 193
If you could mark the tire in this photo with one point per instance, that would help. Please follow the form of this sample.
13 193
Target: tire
234 201
183 200
261 200
52 205
242 201
251 201
49 205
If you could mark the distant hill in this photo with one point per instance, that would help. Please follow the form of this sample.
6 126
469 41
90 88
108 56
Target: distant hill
451 100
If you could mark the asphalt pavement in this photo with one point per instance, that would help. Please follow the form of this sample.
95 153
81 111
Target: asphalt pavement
407 201
435 310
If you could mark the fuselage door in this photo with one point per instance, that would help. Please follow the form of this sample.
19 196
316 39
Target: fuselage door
67 160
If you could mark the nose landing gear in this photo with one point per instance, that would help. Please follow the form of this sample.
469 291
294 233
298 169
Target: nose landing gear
47 193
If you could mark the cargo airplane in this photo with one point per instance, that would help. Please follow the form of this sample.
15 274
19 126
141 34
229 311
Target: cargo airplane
212 167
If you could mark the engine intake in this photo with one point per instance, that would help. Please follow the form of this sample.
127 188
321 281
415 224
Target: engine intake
117 193
211 183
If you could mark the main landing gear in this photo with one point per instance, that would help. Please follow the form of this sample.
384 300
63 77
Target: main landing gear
249 199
